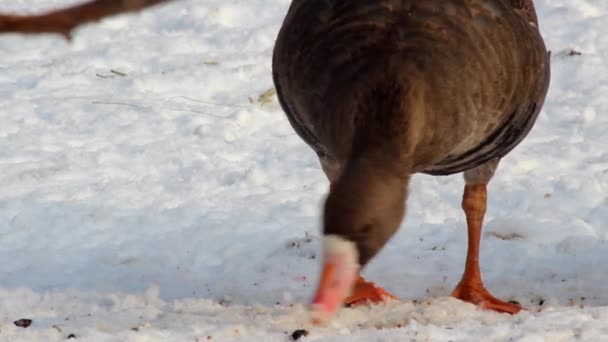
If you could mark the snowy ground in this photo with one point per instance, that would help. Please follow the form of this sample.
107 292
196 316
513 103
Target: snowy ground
149 191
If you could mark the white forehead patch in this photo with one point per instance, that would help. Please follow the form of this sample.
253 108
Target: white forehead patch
334 245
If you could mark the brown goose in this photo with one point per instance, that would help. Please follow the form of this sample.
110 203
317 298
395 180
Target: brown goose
387 88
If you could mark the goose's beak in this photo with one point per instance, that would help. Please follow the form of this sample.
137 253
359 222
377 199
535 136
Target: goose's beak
338 276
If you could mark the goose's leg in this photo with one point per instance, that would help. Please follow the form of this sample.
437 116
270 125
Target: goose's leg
474 201
363 291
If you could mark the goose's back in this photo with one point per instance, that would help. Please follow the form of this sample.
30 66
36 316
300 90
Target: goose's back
452 83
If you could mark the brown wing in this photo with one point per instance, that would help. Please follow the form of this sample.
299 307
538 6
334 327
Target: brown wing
526 9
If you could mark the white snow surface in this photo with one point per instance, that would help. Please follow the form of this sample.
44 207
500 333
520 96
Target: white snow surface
148 194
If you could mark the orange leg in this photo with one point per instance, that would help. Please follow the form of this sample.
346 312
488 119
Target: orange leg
471 289
365 292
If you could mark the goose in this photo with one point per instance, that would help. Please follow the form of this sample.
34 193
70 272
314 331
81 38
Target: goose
384 89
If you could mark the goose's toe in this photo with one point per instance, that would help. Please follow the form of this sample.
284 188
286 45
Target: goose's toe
365 292
481 297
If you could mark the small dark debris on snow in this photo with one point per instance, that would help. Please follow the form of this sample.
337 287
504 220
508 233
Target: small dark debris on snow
135 329
541 302
506 236
23 322
569 52
71 336
299 242
296 335
118 73
547 195
225 302
113 73
514 302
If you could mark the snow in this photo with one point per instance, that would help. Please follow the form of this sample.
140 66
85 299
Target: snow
151 189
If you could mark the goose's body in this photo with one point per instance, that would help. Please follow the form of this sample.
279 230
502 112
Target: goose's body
388 88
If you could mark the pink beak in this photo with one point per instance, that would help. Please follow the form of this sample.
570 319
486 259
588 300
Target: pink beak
337 280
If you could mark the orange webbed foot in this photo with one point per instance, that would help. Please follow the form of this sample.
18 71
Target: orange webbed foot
481 297
365 292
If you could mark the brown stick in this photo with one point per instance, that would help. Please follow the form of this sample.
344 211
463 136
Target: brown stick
64 21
